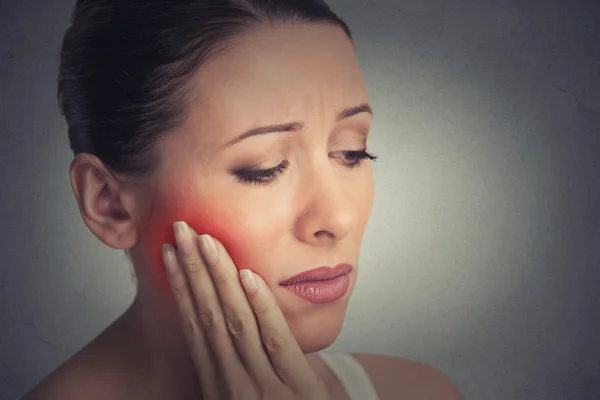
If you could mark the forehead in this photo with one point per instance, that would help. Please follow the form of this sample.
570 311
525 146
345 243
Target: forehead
270 74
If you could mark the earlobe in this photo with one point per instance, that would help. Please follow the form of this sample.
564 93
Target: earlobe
102 202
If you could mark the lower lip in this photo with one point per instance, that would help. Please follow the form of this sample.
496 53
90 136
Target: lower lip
321 291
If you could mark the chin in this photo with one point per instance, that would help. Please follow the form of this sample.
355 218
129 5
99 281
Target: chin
315 346
317 332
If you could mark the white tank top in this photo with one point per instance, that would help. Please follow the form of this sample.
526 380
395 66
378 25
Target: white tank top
351 374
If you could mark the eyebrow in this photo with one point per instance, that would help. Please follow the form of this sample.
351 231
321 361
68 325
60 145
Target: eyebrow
297 126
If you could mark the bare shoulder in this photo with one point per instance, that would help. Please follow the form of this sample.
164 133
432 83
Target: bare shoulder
395 378
72 380
93 373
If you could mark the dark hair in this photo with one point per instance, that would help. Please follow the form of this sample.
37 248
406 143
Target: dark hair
125 66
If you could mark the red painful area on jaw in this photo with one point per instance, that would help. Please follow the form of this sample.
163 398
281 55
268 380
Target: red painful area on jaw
221 227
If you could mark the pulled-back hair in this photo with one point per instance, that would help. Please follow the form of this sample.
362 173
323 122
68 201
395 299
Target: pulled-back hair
126 64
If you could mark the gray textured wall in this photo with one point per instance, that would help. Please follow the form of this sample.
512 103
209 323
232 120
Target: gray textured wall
483 253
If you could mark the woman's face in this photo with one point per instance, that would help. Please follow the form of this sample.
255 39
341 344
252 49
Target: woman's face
311 207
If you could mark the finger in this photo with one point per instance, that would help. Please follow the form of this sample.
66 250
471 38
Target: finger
285 354
207 304
239 316
199 349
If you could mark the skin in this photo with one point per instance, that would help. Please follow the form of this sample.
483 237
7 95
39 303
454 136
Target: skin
245 350
317 210
313 215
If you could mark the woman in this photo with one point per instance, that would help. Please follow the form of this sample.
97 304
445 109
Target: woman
244 122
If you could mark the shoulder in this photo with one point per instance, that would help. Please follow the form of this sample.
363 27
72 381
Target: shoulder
69 381
395 377
87 375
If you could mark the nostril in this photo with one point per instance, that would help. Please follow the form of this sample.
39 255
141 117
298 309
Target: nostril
324 233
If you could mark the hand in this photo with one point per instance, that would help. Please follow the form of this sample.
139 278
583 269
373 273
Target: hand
238 337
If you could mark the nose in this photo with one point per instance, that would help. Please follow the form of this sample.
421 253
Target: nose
328 214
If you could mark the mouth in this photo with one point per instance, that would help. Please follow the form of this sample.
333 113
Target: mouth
320 285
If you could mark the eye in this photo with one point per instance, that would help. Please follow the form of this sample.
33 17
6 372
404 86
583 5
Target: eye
353 158
260 176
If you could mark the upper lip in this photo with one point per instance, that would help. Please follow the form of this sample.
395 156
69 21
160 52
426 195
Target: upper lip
319 274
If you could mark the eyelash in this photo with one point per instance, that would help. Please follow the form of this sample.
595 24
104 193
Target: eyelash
267 176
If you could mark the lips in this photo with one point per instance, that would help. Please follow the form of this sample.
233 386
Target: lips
318 274
320 285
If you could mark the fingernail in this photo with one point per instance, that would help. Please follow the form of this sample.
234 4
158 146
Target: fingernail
169 259
183 236
248 281
209 249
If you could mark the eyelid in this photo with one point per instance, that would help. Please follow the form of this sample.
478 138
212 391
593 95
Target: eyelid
263 176
259 166
345 137
349 145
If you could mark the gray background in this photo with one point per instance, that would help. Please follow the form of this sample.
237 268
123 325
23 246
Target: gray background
482 256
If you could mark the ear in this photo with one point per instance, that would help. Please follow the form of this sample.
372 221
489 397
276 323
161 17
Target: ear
106 205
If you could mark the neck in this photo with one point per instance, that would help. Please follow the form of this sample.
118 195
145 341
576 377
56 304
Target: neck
164 358
152 327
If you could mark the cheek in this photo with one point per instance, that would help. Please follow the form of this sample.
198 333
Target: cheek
369 196
238 233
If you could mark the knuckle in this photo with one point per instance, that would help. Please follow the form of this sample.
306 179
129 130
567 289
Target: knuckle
179 286
208 318
219 278
288 373
193 265
190 328
272 342
237 324
261 309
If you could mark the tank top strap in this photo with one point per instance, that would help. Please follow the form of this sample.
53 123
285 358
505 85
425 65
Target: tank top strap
351 374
